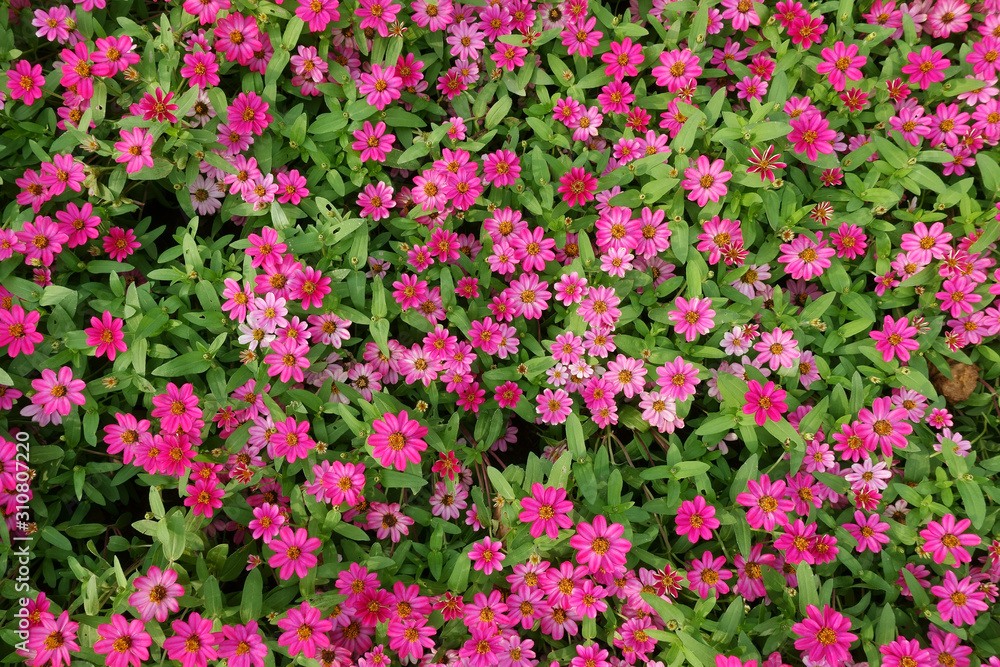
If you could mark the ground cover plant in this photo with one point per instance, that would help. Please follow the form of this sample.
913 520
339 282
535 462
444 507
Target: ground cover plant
499 333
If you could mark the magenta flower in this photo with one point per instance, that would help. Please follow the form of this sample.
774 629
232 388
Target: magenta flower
896 339
825 636
554 406
377 14
193 643
293 553
677 69
52 640
25 81
706 180
376 200
547 509
204 496
486 556
577 186
778 349
621 61
126 643
805 259
693 317
397 440
696 519
242 645
765 403
61 173
305 630
960 601
19 330
58 392
106 333
41 240
157 594
600 545
136 149
957 296
883 426
925 67
841 64
903 652
811 134
948 538
373 142
870 532
706 576
767 503
382 86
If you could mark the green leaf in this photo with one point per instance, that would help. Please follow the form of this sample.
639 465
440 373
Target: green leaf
972 499
172 536
191 363
252 596
497 112
990 170
161 169
56 539
500 483
808 589
574 437
394 479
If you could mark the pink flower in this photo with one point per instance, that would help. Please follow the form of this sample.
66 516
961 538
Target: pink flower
193 641
677 69
706 180
19 330
201 69
136 149
925 67
825 635
693 317
248 114
621 61
204 496
883 426
486 556
924 244
377 14
305 630
318 13
292 187
106 333
554 406
764 403
397 440
811 134
157 594
382 86
678 379
741 13
777 348
52 640
242 645
805 259
948 538
389 522
376 201
961 601
706 576
267 521
896 339
547 509
577 186
237 37
57 393
293 553
696 519
126 643
373 142
62 172
870 532
840 64
502 168
957 296
600 545
905 653
25 81
767 503
581 37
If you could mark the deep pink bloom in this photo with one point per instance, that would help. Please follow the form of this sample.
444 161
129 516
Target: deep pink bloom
124 642
883 426
373 141
600 545
870 531
193 643
925 67
547 509
382 86
841 64
136 149
897 339
293 552
767 502
825 635
19 330
705 181
577 186
58 392
106 333
486 556
305 630
157 593
696 519
811 134
961 601
948 538
242 645
397 440
52 640
706 576
693 317
25 81
765 403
